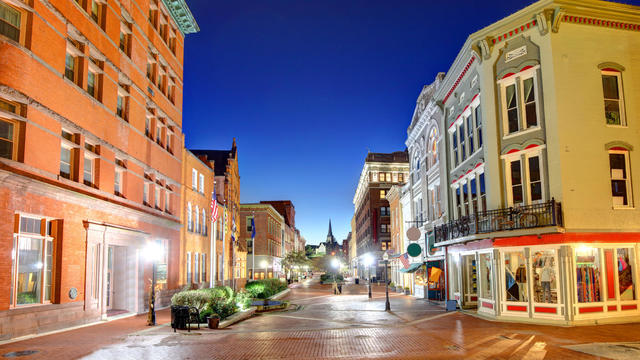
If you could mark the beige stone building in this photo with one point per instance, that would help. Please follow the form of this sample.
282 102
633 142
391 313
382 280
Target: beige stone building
541 110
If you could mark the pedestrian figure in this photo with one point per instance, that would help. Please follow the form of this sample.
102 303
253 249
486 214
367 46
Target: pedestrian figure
335 288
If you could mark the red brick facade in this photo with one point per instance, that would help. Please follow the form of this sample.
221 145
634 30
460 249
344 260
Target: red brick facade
94 102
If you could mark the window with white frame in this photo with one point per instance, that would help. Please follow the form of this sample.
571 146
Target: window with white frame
196 266
620 179
189 217
469 125
117 182
520 101
188 267
203 263
433 146
157 204
167 201
613 97
454 142
524 177
201 187
87 172
461 140
478 117
10 22
204 222
32 262
194 179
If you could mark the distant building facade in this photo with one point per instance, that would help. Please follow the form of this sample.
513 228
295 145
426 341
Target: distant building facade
371 207
265 252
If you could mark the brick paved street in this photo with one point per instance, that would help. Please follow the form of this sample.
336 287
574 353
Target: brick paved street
326 326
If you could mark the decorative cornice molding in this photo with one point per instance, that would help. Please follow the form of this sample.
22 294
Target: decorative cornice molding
182 16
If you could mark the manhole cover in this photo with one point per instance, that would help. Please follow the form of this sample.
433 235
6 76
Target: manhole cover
20 353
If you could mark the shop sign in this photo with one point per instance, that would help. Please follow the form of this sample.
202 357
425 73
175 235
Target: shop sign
413 233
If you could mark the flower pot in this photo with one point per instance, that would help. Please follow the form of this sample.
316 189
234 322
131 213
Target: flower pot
212 322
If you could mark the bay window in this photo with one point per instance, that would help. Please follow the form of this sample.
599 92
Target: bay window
520 101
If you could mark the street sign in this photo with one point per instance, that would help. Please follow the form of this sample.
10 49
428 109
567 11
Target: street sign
413 233
414 250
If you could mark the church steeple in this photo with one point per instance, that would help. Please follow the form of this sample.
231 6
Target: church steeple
330 237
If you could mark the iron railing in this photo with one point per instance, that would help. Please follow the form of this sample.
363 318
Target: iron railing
514 218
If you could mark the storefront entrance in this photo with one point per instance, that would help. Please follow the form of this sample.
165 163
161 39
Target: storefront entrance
469 299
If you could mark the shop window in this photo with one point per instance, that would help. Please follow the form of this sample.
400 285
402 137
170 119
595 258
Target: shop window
625 274
485 276
613 99
545 285
32 262
516 285
620 181
10 19
588 269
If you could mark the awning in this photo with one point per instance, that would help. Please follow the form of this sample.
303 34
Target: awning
412 268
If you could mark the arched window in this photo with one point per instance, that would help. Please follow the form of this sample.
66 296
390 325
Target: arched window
189 217
433 147
197 219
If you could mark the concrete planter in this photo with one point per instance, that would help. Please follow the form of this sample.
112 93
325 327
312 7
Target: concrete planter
237 317
280 295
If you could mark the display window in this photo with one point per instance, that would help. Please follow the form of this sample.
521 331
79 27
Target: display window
516 284
486 275
421 279
588 278
545 276
626 281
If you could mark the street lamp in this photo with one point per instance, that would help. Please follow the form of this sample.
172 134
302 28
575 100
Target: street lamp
264 264
368 261
153 252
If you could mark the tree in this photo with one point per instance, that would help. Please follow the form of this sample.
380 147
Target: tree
294 259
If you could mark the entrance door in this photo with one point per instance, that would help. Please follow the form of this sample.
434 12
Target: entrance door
469 281
110 282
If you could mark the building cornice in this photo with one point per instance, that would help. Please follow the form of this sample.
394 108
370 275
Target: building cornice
182 16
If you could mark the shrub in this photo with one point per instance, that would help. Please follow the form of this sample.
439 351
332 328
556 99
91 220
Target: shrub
220 292
195 298
392 284
223 308
262 289
243 299
329 277
205 313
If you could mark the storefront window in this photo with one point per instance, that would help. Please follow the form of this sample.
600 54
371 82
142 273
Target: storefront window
420 277
485 273
588 281
625 274
516 285
545 285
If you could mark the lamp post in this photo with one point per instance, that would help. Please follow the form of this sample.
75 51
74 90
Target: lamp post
387 304
153 252
368 260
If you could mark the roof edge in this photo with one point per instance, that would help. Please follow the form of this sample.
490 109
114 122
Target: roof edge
182 16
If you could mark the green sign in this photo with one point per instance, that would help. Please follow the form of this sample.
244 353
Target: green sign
414 250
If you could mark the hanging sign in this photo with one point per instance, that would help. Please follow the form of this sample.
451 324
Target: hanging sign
413 233
414 250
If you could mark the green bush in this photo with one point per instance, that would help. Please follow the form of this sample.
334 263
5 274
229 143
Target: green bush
205 313
223 308
262 289
392 284
243 299
330 277
220 292
195 298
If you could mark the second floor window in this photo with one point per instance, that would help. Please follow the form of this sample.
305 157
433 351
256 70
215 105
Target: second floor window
8 138
70 67
194 179
613 100
87 176
117 182
620 180
65 162
201 187
520 101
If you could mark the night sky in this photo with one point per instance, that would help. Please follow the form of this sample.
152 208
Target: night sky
307 87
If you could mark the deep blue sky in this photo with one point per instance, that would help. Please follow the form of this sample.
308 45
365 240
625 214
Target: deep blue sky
306 87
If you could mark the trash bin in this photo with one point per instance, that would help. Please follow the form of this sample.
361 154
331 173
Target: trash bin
357 281
179 317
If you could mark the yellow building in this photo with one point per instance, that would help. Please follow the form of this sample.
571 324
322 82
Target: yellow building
540 111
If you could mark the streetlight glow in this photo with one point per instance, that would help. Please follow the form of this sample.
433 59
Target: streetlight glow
335 263
368 260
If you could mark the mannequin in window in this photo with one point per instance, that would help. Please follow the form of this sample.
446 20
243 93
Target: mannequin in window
521 279
546 276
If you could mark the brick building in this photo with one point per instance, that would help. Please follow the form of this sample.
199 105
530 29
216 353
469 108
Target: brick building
232 258
196 238
379 173
90 166
268 247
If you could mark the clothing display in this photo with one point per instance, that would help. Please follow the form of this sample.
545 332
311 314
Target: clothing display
588 281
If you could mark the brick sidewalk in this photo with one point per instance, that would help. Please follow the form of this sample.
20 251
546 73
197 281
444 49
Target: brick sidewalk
73 344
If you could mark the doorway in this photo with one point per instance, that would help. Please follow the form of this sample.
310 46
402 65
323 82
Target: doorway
116 289
469 282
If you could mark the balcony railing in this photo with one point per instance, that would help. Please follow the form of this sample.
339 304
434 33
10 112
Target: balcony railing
514 218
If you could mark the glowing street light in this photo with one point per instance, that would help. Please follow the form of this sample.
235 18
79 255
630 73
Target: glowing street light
153 252
368 261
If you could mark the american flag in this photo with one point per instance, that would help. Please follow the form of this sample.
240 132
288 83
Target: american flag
405 260
214 205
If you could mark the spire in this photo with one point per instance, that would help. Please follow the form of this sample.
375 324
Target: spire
330 233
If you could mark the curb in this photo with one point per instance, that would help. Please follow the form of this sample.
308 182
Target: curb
237 317
279 295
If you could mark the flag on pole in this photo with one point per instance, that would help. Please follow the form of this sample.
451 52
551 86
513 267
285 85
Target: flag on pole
253 230
214 205
405 260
